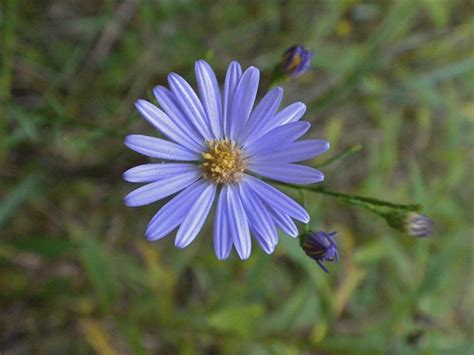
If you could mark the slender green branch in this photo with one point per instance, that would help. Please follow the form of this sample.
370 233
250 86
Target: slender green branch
360 201
344 154
7 32
302 192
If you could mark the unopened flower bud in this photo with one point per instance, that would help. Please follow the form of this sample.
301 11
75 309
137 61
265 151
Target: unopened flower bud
411 223
419 225
320 246
296 61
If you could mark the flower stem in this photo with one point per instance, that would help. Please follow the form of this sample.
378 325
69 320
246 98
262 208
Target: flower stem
369 203
344 154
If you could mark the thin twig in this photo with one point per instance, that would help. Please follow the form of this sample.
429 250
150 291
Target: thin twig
124 13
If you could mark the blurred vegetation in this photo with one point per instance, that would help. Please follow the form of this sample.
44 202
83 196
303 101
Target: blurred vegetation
78 276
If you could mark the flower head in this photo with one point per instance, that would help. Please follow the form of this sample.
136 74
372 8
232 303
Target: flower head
320 246
419 225
218 147
409 222
296 60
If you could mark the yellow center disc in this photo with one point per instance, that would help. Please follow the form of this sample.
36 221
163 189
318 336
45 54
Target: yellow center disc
223 162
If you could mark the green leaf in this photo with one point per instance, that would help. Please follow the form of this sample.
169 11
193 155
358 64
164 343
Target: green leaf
299 310
438 11
47 247
371 252
19 194
100 271
238 319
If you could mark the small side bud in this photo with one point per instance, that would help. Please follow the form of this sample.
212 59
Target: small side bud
296 61
419 225
411 223
320 246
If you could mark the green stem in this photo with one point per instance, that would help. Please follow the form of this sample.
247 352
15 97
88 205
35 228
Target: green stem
369 203
307 226
8 29
345 153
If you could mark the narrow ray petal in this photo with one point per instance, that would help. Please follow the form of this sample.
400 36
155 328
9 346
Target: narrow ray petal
196 217
287 133
169 103
284 222
155 172
171 215
257 214
263 112
159 148
292 152
243 101
222 236
290 173
267 246
190 104
238 223
280 220
210 96
160 189
162 122
233 75
277 199
291 113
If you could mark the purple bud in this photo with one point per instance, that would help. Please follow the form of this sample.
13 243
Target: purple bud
296 60
320 246
419 225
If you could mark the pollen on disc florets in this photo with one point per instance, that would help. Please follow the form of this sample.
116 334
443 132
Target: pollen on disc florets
223 162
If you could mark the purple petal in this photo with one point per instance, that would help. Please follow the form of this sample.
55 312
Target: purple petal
276 137
222 237
233 75
259 220
291 113
293 152
263 112
196 217
284 222
238 223
243 101
159 148
263 241
155 172
160 189
281 220
210 96
169 103
190 104
165 124
172 214
290 173
277 199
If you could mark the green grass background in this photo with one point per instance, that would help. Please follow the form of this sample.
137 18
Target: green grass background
78 276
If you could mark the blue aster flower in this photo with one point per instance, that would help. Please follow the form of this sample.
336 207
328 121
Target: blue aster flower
219 146
320 246
296 60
